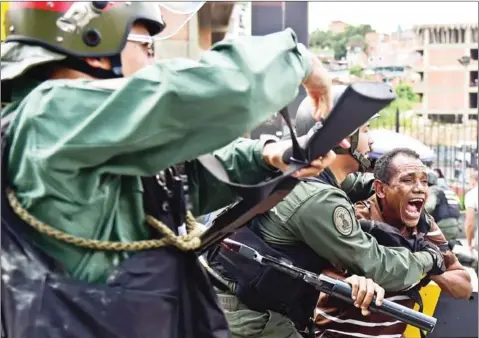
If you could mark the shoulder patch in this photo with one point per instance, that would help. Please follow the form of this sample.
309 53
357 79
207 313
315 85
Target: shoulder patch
343 221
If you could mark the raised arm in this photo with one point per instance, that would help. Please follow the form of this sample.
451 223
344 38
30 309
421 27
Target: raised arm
167 113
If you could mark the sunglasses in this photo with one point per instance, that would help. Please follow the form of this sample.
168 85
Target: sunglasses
145 40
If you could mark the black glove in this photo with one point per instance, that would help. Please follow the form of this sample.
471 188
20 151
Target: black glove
424 224
438 267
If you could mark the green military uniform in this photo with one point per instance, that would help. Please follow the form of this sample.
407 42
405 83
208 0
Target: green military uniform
358 186
450 225
322 216
79 147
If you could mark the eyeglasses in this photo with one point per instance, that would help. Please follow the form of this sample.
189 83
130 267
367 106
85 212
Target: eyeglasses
145 40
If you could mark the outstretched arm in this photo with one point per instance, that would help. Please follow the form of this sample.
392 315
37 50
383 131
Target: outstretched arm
326 222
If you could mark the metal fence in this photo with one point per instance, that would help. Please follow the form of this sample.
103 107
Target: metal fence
455 145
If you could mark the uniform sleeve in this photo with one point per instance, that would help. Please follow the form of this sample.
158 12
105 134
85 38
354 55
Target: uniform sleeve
243 162
327 224
172 111
358 186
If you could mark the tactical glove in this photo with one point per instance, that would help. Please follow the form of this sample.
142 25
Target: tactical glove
438 267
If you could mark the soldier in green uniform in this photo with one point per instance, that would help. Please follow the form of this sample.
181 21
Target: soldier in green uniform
315 228
71 130
91 112
443 205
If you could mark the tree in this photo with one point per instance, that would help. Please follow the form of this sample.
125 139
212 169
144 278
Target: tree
405 91
405 101
338 42
356 71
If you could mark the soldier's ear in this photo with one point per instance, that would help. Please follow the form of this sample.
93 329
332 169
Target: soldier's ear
103 63
379 188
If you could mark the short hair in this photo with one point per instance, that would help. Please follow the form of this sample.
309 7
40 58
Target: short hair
382 169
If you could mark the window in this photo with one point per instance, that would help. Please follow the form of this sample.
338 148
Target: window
473 100
473 78
474 55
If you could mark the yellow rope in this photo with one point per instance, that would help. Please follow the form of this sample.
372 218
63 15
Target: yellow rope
189 242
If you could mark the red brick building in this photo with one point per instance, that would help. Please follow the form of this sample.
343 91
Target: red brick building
448 71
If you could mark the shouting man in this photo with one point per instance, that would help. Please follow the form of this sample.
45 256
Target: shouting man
401 189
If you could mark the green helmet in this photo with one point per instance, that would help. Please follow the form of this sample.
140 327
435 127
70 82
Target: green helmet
39 32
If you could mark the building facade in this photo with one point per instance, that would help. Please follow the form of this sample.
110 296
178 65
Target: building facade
448 71
208 26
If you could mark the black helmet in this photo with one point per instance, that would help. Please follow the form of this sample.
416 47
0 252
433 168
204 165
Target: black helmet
305 121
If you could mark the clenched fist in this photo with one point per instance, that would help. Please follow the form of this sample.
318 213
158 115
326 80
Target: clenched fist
318 87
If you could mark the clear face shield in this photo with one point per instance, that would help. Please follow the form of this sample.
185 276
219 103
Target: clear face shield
176 15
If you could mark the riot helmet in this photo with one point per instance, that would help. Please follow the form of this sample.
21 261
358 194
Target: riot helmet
305 121
41 32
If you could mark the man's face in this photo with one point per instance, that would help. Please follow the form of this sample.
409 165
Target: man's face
136 55
405 195
364 142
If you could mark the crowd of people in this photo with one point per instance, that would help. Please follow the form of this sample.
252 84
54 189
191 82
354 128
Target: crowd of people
92 131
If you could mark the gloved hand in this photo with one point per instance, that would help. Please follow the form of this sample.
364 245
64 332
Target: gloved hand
439 267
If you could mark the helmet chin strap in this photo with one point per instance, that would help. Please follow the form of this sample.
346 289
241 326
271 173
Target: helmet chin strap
364 162
116 67
99 73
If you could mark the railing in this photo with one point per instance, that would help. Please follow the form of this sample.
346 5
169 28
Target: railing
454 144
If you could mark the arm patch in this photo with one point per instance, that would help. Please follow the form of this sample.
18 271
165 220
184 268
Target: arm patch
343 221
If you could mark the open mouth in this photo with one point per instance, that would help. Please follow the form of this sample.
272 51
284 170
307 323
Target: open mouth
414 207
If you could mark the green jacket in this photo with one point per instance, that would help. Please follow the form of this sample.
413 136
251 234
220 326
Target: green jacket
79 147
322 216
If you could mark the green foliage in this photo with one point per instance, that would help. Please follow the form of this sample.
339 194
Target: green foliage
405 101
356 71
339 42
405 91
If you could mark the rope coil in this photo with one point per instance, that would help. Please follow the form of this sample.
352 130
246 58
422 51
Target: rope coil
189 242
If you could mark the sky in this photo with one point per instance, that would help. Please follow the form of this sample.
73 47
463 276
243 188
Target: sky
385 17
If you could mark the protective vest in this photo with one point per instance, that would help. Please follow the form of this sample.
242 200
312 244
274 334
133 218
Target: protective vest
264 288
447 205
156 293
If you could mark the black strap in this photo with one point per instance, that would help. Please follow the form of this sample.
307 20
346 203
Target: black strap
82 66
367 98
255 199
416 296
364 99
